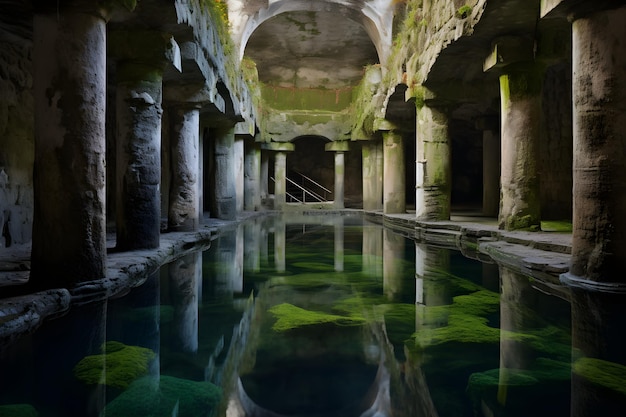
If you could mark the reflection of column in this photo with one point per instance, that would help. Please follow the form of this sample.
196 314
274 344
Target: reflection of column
184 277
339 244
515 294
252 248
599 353
227 273
372 155
279 245
432 170
373 250
69 91
238 261
430 291
393 252
394 180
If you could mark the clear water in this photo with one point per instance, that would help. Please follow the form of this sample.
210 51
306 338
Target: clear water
313 316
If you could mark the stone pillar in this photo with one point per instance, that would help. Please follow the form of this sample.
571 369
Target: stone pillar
372 154
599 200
69 90
394 181
339 147
139 77
280 171
265 164
280 180
238 156
252 176
223 176
183 210
520 95
185 274
520 111
491 166
433 175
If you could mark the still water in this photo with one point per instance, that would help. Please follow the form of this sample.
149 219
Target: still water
307 316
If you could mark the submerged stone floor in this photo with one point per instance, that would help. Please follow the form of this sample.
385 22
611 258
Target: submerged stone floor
542 254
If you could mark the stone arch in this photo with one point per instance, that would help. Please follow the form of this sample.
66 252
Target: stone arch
376 17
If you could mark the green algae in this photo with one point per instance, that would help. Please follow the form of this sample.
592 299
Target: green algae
290 317
465 321
118 365
563 226
463 11
169 396
18 410
603 373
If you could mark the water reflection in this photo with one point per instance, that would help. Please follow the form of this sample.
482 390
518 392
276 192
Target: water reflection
326 316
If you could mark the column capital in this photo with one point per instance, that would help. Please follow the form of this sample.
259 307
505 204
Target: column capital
150 48
337 146
575 9
508 50
278 146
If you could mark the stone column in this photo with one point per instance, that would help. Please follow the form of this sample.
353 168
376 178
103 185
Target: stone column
183 210
280 171
372 154
252 176
69 90
520 111
139 77
433 175
491 165
265 164
223 176
339 148
394 181
238 156
280 179
599 200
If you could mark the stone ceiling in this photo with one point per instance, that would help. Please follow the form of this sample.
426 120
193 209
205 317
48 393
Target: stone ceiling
311 49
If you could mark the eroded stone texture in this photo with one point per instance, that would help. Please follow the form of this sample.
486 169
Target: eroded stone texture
433 171
69 241
224 205
372 173
394 193
183 210
599 59
520 91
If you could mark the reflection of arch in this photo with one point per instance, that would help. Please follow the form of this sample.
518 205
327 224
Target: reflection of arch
376 20
377 401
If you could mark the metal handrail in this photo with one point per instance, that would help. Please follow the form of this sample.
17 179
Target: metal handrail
326 190
304 192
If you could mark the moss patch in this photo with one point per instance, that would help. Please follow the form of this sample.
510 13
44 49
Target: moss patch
291 317
556 226
600 372
18 410
117 366
166 397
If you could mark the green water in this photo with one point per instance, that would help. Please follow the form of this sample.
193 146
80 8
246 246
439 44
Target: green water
310 316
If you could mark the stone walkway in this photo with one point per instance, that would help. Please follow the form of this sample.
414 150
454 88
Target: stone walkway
543 254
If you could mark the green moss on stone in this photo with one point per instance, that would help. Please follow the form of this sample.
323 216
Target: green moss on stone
291 317
463 11
18 410
117 366
603 373
556 226
166 397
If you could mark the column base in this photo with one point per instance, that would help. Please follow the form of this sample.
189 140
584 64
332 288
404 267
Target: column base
576 282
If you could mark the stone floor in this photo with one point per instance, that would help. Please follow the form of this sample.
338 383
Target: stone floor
542 254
